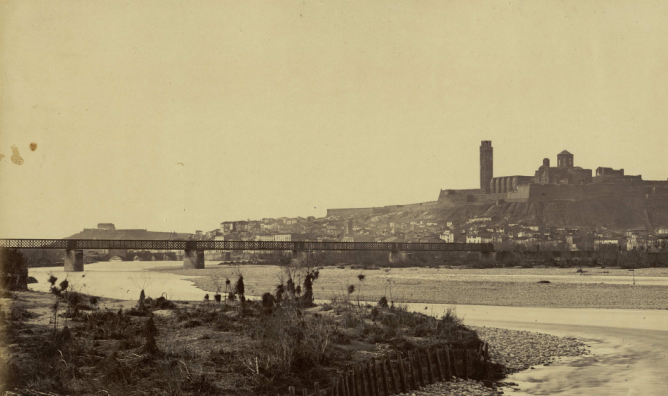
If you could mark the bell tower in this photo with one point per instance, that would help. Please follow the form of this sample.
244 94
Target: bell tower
486 165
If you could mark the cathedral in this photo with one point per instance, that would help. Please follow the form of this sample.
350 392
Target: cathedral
565 173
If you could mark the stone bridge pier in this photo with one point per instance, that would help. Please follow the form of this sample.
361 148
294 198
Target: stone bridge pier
74 260
193 257
398 257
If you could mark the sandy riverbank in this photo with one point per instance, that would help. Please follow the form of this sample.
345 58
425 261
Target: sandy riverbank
505 287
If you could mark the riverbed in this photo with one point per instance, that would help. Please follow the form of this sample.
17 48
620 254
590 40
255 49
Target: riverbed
629 347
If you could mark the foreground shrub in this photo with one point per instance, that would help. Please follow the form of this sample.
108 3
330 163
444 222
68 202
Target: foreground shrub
287 343
13 270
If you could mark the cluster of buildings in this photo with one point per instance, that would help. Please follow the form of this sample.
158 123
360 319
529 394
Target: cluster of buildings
509 236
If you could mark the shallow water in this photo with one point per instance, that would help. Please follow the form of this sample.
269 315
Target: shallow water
629 347
123 280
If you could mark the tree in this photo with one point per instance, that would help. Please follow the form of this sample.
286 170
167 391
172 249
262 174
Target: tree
304 266
360 277
150 331
240 289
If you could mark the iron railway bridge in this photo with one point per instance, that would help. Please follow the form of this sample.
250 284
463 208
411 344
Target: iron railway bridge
194 250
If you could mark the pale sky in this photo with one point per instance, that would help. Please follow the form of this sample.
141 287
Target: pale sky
177 115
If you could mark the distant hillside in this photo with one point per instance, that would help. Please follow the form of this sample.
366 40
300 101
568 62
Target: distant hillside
609 212
129 234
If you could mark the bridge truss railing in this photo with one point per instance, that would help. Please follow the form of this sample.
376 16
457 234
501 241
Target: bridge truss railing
70 244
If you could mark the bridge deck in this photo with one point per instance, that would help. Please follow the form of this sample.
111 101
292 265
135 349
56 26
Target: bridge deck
70 244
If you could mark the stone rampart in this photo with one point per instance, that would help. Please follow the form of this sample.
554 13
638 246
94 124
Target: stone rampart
547 192
345 212
523 193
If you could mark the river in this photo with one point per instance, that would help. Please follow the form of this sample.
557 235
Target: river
629 347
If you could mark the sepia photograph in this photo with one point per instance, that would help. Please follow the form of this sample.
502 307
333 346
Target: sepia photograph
333 198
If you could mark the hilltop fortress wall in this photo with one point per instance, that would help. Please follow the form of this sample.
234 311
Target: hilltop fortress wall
548 192
657 190
347 212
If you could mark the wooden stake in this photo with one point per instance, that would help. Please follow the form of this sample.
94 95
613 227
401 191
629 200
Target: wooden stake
384 377
365 381
316 387
411 366
430 367
304 392
418 358
373 378
402 374
344 385
291 389
439 366
395 383
449 364
353 383
489 363
466 362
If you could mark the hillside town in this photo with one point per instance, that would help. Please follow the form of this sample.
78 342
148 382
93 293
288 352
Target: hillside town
383 228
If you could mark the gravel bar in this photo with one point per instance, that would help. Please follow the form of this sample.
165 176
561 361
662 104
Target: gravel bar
520 350
517 351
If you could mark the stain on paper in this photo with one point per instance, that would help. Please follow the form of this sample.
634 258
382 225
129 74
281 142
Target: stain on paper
16 157
33 146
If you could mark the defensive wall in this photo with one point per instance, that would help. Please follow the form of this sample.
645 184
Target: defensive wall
547 192
459 197
346 212
652 190
468 197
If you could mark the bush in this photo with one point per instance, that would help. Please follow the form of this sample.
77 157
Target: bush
351 320
75 302
109 325
13 270
268 303
149 332
288 343
449 325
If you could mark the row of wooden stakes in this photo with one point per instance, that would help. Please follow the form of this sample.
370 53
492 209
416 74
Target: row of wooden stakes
398 377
